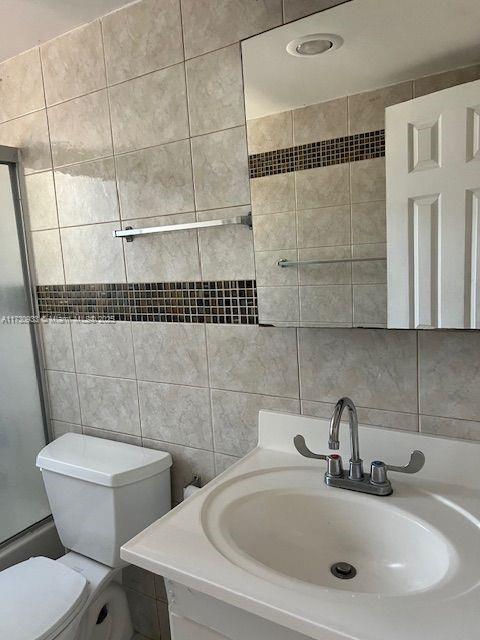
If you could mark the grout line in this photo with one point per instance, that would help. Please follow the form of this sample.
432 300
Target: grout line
27 113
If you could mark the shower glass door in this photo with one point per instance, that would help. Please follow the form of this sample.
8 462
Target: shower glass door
22 419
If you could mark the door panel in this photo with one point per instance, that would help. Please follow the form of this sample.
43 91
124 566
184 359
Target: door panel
433 182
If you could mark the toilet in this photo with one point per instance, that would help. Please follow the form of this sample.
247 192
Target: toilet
101 493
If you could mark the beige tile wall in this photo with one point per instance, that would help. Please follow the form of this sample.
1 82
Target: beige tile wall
192 390
328 213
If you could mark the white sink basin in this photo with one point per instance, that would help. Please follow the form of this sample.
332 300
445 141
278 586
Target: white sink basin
256 545
287 524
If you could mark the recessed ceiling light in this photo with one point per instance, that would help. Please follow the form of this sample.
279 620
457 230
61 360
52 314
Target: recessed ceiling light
314 44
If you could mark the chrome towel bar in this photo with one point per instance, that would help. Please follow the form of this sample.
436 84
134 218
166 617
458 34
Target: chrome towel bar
129 233
300 263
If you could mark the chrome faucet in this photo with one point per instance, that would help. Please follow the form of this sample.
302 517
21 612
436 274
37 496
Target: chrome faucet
376 482
356 463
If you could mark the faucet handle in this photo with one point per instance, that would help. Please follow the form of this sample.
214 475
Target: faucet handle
301 447
417 460
334 462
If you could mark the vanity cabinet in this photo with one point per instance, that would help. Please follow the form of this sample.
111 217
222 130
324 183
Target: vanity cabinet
196 615
184 629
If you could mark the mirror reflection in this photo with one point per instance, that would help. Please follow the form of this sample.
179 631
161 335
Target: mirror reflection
363 127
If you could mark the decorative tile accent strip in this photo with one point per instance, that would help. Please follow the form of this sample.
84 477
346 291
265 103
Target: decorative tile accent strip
361 146
222 302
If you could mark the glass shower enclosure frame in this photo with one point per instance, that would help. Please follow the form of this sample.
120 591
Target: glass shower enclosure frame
24 415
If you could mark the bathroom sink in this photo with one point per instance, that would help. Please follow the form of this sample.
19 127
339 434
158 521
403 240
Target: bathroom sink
268 542
286 524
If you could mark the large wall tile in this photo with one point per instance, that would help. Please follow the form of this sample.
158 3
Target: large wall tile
163 620
368 180
30 134
235 418
139 580
150 110
273 194
174 353
320 274
253 359
61 428
104 349
187 462
226 253
376 368
270 132
73 63
366 111
220 169
323 187
142 37
80 129
175 413
269 274
223 462
276 231
449 374
112 435
91 254
47 257
63 396
156 181
87 193
21 87
144 614
326 304
374 272
445 80
324 227
369 223
373 417
163 257
211 24
109 403
370 305
41 206
278 305
450 427
320 121
160 589
57 345
215 91
295 9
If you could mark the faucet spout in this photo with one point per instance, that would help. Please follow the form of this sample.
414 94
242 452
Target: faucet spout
356 465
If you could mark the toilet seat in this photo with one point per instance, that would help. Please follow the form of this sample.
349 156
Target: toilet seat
39 598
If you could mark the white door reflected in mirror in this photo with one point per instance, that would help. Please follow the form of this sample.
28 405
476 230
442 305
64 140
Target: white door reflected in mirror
433 195
317 147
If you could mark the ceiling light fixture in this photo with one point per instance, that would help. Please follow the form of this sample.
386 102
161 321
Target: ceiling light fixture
314 44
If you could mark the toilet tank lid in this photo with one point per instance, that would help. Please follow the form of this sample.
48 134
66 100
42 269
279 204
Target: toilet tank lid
100 461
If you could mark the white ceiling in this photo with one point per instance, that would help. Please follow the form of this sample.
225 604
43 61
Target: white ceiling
386 41
26 23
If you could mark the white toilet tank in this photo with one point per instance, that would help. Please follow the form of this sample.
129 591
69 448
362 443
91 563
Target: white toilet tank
102 493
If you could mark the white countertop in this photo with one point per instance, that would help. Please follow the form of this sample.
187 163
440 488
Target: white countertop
178 548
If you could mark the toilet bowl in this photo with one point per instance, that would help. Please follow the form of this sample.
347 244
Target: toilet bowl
102 493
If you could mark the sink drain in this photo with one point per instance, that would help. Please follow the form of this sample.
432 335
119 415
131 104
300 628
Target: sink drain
343 570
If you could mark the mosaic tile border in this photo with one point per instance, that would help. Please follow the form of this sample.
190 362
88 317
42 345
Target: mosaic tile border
360 146
217 302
